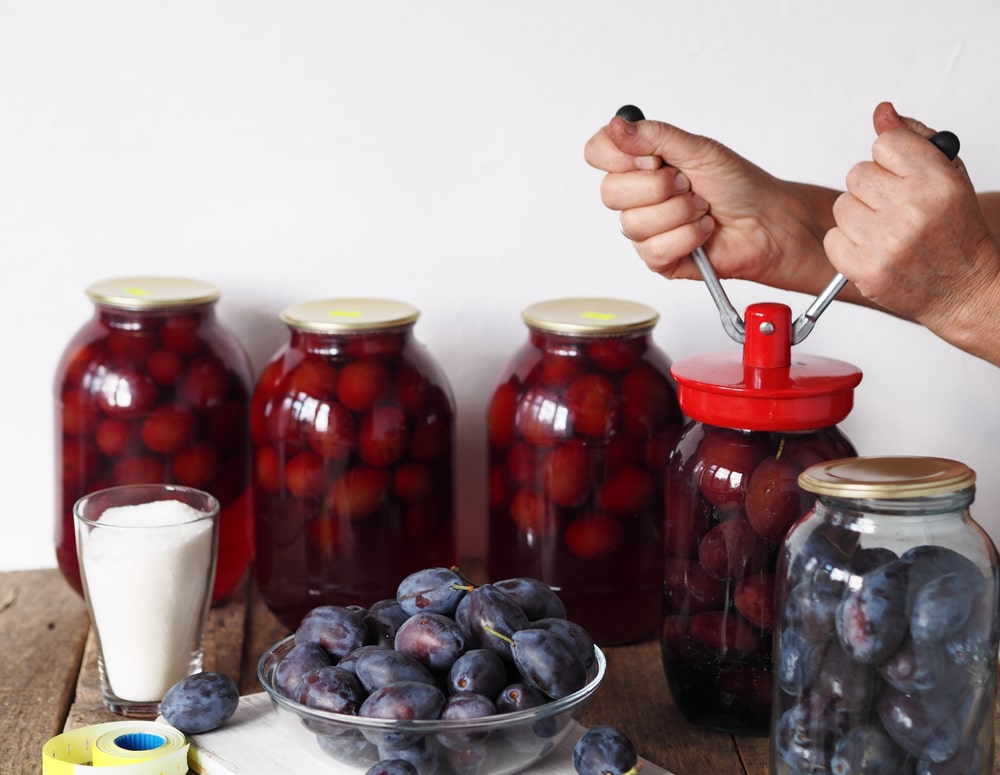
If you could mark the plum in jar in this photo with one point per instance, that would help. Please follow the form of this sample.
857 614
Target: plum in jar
353 435
580 424
887 626
731 495
154 388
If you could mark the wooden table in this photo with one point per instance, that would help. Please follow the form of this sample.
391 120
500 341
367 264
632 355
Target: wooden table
49 681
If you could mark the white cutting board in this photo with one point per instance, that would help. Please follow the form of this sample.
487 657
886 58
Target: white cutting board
255 742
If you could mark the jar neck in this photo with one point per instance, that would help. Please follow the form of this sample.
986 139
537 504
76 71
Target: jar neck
374 343
570 345
928 505
134 319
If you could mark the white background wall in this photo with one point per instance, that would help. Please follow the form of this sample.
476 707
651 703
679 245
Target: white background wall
433 152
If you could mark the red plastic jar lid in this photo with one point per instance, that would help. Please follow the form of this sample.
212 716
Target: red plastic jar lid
768 389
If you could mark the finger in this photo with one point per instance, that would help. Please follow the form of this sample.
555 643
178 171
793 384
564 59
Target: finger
853 219
856 264
641 223
839 249
872 184
849 211
624 190
668 253
601 152
885 118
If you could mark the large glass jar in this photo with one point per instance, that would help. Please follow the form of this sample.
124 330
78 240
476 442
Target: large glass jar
580 426
756 422
887 625
353 431
154 389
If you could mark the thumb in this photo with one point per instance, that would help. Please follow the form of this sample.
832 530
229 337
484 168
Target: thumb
886 118
655 138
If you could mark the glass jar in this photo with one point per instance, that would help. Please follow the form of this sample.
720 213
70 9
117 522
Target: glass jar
756 422
887 626
353 432
154 389
580 426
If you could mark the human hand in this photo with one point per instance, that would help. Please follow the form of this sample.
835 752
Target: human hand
676 191
910 232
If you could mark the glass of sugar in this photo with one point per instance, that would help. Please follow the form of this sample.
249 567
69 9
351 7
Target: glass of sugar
147 557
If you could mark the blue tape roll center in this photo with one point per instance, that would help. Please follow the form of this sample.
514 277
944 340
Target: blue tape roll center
140 741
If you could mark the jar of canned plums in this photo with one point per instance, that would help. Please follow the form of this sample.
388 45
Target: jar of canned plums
580 426
353 432
154 388
756 422
887 628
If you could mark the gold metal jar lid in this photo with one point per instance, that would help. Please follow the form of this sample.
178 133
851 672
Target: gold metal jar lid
349 315
885 478
148 292
590 316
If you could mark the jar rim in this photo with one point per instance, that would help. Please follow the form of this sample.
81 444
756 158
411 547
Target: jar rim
143 292
349 315
589 316
887 477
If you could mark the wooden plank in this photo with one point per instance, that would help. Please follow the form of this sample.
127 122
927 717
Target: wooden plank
263 631
754 753
635 699
43 629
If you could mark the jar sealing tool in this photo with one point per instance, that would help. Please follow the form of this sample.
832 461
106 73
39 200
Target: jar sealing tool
947 142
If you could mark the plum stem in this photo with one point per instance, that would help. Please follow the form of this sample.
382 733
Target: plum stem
500 635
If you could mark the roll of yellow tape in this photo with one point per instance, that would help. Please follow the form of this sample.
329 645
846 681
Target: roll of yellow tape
135 747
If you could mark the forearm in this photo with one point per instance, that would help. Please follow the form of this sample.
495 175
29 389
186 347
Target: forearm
989 202
807 215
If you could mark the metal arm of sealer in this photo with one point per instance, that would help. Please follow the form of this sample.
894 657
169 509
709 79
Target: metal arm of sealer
733 324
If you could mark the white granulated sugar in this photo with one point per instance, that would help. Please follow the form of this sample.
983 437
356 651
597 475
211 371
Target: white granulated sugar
146 573
152 514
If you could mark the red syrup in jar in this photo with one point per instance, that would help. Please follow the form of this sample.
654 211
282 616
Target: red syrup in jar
580 426
353 434
154 389
732 495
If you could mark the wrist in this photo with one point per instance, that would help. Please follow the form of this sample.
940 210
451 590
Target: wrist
968 317
803 215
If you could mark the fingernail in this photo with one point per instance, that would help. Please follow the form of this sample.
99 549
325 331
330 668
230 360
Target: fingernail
681 183
647 162
630 128
699 203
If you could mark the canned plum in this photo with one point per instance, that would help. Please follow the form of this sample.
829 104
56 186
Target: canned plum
353 434
731 497
579 425
757 420
153 388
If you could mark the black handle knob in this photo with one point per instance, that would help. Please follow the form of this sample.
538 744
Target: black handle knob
947 142
630 113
